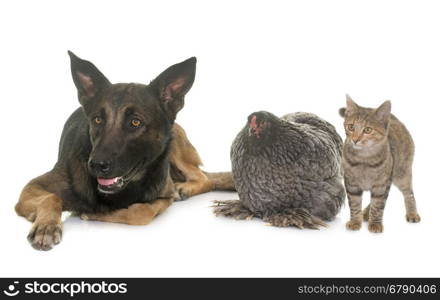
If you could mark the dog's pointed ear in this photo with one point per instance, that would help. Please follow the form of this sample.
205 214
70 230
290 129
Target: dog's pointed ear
87 78
172 85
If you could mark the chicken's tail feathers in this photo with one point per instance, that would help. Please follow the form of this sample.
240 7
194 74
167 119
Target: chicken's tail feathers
296 217
233 209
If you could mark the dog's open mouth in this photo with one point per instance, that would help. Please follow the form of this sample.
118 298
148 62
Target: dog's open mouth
116 184
110 185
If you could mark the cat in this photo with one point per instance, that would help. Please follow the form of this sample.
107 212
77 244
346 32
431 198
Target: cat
378 152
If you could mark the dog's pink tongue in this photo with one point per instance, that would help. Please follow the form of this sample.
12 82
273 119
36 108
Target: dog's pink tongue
107 181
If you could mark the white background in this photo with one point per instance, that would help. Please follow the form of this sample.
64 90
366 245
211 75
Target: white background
280 56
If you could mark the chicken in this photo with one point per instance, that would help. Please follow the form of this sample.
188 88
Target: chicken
286 171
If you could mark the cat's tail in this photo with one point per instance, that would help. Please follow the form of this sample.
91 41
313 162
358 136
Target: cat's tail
222 181
342 111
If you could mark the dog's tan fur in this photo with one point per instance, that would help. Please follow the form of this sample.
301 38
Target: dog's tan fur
185 158
44 208
139 213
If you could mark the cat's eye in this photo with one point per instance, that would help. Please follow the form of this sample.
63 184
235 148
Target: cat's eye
350 127
368 130
97 120
135 123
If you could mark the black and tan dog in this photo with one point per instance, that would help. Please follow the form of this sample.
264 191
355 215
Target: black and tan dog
121 156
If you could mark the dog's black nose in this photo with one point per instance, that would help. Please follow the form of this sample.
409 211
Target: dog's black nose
101 166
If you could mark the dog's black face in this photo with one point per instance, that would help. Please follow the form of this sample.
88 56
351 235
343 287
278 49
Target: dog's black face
129 124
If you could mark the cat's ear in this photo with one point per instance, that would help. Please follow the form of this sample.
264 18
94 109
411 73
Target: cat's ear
352 107
383 112
87 78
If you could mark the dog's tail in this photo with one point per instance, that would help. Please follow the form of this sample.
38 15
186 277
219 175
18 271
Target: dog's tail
222 181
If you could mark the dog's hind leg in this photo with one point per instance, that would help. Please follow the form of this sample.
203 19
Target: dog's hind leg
186 160
192 180
43 208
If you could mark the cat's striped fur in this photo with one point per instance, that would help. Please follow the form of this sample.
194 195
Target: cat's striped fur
378 152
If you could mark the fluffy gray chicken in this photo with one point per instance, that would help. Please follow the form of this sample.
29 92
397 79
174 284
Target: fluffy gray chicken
287 171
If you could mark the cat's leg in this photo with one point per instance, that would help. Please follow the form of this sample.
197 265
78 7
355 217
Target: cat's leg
354 195
366 213
404 184
379 195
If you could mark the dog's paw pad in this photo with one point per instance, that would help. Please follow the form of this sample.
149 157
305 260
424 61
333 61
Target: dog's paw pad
45 236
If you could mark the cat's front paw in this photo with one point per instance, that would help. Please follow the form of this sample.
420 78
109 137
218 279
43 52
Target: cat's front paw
375 227
413 218
353 225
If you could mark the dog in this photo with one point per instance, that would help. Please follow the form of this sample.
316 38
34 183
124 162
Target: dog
122 158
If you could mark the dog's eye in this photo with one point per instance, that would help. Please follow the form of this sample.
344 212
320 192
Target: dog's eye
368 130
350 127
97 120
136 123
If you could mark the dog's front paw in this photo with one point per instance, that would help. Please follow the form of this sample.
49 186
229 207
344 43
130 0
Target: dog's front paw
375 227
45 236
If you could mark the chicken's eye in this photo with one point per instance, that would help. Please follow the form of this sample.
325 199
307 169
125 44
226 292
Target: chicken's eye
97 120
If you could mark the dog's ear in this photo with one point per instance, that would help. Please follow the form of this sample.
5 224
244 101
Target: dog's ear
172 85
87 78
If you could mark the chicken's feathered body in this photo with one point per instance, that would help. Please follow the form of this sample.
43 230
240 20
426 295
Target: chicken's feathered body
288 166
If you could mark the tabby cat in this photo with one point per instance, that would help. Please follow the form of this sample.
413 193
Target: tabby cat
378 152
